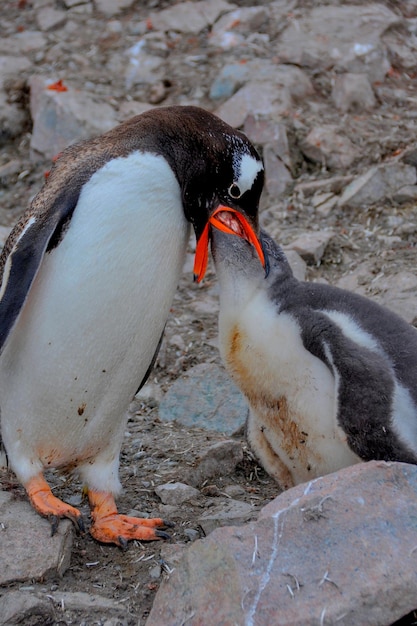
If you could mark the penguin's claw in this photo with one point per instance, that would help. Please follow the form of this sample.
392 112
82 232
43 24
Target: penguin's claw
48 505
109 526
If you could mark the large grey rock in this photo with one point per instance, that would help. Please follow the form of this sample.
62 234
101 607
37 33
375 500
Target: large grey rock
337 550
378 184
274 95
205 397
397 291
347 38
62 118
328 146
190 17
27 550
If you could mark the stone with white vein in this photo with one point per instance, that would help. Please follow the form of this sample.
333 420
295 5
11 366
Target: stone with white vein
336 550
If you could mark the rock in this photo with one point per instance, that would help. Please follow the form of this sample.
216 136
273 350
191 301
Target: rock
267 131
408 193
327 145
228 513
293 80
220 459
397 291
335 184
378 184
231 77
311 245
267 97
149 392
22 43
190 17
192 534
10 169
277 177
12 66
27 550
62 118
337 550
297 263
353 92
70 4
205 397
23 607
324 203
50 19
234 491
142 68
132 107
112 7
19 606
13 119
176 493
4 233
401 54
276 153
231 29
346 38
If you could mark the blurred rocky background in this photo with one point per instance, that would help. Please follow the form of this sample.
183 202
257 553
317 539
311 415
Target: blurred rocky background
327 92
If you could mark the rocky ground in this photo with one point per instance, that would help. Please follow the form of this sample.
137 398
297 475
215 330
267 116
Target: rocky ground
326 90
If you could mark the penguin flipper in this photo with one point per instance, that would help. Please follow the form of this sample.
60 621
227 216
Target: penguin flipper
23 252
152 363
366 383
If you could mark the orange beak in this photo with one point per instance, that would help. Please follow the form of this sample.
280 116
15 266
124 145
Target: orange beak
229 221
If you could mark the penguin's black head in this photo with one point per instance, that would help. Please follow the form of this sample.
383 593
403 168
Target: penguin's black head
216 166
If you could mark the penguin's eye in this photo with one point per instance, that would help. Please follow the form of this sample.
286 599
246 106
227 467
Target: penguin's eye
234 191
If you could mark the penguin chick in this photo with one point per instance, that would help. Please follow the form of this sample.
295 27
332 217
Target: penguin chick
329 375
88 277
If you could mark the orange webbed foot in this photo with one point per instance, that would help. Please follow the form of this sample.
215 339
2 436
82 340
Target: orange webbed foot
109 526
48 505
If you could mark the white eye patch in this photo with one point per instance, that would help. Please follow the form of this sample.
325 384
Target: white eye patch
247 169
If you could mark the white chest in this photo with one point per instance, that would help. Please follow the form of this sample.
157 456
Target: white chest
97 308
292 393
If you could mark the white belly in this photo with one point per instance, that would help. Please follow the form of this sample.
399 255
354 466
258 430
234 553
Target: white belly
293 421
92 321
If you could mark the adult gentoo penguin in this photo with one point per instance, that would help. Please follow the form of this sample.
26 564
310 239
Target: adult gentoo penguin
330 376
89 274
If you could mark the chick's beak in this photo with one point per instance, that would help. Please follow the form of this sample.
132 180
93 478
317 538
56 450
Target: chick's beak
229 221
